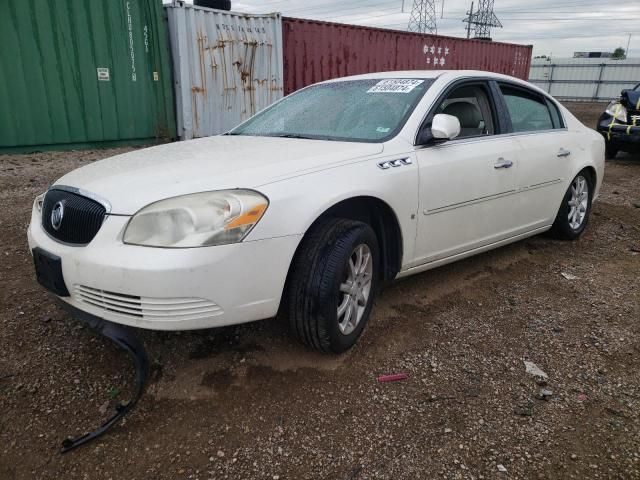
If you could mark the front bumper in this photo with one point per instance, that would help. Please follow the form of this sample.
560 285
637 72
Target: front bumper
134 347
170 289
620 134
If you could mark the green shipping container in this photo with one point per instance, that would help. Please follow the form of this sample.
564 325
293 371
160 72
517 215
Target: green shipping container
84 73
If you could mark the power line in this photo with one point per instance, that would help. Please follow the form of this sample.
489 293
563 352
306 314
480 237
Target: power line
615 33
329 9
544 20
336 6
545 37
367 17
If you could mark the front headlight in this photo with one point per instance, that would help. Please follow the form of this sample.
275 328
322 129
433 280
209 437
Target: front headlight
617 111
197 220
39 201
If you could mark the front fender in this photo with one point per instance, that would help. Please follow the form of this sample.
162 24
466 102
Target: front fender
295 203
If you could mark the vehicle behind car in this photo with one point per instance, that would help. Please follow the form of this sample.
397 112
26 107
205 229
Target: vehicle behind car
620 123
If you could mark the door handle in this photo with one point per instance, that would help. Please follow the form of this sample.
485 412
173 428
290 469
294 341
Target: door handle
563 153
502 163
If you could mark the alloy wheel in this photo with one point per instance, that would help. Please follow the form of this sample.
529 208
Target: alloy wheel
355 288
579 202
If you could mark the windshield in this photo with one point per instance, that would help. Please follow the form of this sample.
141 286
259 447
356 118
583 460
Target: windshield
372 110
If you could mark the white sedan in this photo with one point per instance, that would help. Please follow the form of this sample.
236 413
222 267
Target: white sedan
311 205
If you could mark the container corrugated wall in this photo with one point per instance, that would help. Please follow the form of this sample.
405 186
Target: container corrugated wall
77 72
227 67
316 51
588 79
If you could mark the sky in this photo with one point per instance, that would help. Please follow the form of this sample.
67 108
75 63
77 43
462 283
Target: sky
553 27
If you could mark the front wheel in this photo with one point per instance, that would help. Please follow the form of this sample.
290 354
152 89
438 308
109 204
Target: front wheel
574 211
333 284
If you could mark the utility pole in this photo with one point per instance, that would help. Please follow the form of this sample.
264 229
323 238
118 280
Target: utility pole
626 52
423 17
468 20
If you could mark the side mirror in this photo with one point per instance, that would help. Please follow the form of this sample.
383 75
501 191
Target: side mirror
445 127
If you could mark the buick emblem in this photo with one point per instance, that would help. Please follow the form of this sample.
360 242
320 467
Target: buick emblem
56 215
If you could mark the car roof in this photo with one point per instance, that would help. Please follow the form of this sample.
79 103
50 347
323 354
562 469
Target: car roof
426 74
450 75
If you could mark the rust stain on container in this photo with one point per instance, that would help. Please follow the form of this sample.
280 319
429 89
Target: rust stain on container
315 51
225 66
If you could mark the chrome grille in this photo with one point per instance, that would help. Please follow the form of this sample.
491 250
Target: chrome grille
79 217
158 309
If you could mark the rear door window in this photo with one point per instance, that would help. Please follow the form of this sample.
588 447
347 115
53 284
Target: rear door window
555 114
528 111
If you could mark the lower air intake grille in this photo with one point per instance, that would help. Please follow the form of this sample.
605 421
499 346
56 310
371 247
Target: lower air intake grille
173 309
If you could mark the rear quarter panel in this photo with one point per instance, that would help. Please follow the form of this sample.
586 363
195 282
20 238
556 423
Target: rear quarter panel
589 148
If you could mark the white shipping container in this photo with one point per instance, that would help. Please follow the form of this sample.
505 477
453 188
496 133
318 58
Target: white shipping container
227 67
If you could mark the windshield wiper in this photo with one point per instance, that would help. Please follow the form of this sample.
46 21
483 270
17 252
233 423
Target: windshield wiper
291 135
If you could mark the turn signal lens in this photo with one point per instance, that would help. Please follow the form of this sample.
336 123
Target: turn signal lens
39 201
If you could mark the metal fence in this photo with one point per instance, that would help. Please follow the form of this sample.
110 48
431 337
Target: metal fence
585 79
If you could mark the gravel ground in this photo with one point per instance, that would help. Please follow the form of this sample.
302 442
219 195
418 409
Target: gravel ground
247 402
587 112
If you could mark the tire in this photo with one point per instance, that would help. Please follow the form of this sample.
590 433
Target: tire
568 224
320 271
610 150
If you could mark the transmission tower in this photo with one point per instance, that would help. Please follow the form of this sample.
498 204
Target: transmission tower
482 19
423 17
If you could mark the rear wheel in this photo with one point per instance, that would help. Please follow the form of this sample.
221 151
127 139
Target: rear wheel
574 211
333 284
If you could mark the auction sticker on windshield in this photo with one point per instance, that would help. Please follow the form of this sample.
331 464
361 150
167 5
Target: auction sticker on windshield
395 85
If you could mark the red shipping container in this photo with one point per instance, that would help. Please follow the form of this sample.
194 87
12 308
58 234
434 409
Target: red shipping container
315 51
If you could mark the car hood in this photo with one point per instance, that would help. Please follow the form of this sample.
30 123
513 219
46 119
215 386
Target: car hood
133 180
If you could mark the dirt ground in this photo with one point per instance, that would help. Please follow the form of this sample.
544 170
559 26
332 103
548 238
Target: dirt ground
587 112
248 402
